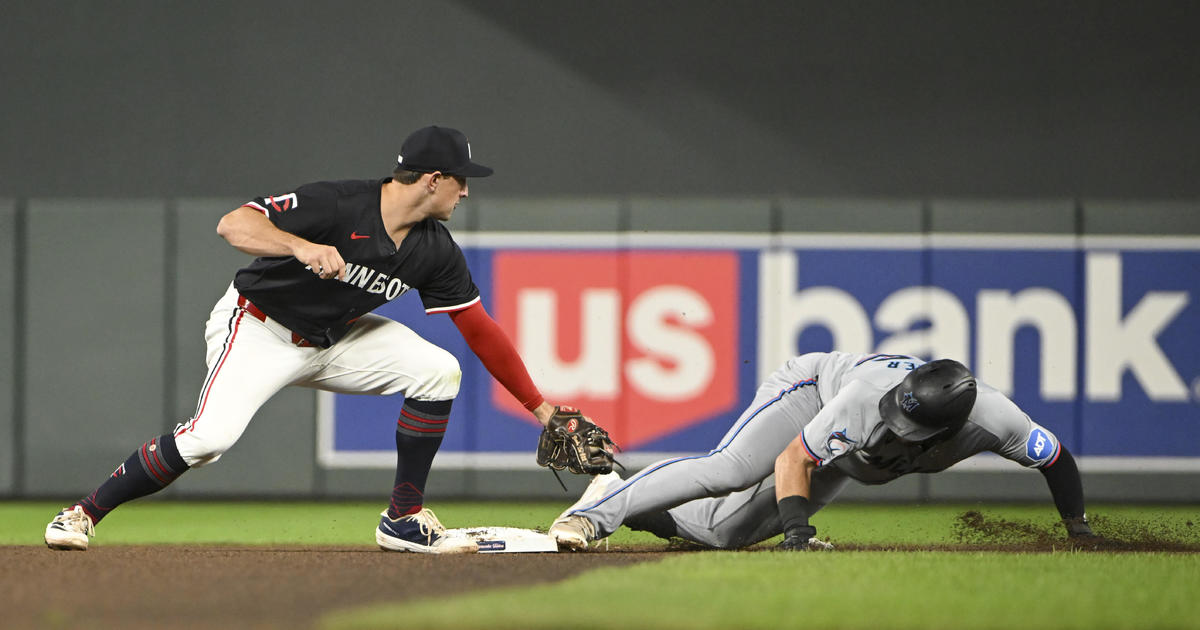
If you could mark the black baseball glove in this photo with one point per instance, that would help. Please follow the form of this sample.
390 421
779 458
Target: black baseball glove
571 441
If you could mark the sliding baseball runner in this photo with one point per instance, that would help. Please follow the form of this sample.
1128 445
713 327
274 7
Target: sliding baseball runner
818 422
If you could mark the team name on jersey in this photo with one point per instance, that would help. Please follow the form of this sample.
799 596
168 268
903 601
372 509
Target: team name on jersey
375 282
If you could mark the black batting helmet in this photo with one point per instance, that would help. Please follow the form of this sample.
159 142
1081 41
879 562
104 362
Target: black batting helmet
934 400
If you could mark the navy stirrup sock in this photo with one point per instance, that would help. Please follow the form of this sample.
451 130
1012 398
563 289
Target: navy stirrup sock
150 469
419 432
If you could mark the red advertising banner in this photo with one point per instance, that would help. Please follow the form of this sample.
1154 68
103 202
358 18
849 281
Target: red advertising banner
623 332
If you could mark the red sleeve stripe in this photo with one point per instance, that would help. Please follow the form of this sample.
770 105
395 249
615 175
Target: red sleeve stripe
255 206
1057 452
808 451
449 309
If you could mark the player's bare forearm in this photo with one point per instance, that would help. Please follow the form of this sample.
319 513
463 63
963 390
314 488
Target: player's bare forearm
250 232
793 485
543 412
793 471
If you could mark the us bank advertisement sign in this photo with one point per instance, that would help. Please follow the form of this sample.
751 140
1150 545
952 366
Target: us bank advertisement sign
665 341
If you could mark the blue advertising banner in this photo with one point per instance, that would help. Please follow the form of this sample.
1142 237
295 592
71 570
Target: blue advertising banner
665 342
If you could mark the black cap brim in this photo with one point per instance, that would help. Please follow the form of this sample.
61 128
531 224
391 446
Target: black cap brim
900 424
472 169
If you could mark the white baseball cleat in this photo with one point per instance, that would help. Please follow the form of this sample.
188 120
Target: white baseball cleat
70 530
419 533
575 531
816 544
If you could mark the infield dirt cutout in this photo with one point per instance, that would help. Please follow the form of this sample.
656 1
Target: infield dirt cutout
163 586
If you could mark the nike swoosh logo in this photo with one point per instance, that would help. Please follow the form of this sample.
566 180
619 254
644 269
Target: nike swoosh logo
355 236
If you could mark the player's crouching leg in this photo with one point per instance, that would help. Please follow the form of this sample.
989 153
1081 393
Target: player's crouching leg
438 377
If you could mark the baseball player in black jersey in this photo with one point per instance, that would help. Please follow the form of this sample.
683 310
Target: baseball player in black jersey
328 254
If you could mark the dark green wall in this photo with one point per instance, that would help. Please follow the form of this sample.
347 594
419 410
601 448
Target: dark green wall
779 97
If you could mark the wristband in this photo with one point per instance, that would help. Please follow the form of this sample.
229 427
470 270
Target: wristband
793 514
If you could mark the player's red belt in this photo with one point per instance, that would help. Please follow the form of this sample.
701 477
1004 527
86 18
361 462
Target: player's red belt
257 313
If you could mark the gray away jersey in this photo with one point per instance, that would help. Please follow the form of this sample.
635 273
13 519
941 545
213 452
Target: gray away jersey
848 432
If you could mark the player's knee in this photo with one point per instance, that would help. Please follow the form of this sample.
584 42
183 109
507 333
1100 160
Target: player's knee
715 538
441 376
725 542
201 448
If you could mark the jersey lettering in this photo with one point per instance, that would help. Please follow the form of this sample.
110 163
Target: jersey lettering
335 213
893 361
283 203
374 282
358 275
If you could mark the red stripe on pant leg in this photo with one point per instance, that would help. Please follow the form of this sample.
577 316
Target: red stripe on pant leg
208 378
204 401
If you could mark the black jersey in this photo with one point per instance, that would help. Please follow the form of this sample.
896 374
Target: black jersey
346 215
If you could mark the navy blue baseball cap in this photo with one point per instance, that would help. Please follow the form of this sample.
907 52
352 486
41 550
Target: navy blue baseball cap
441 149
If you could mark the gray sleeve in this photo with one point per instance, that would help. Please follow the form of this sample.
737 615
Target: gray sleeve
1017 437
843 424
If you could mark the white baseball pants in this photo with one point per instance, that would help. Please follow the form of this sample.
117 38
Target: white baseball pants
250 359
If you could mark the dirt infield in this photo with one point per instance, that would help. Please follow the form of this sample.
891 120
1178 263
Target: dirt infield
249 587
291 587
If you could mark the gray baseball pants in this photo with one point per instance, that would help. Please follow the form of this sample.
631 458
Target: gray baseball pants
726 498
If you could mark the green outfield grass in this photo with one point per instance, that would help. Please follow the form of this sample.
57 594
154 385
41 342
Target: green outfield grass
353 523
847 589
869 590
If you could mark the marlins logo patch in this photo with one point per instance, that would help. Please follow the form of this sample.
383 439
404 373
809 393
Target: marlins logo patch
909 402
838 443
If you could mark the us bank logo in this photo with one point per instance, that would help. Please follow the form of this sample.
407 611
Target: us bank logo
644 341
1095 339
664 341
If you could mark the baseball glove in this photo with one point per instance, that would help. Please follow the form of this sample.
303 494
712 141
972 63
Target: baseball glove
571 441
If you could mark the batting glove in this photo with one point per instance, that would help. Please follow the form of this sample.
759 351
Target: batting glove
803 539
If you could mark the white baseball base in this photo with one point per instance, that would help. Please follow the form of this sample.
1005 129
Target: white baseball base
507 539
